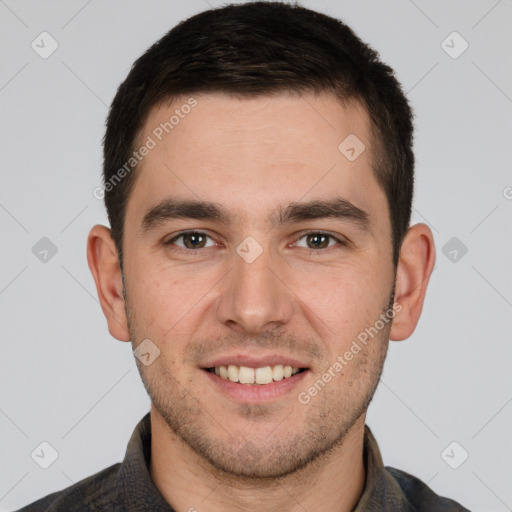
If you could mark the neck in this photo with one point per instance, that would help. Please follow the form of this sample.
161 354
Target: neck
334 481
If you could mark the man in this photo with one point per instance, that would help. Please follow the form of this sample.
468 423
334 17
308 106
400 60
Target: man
258 176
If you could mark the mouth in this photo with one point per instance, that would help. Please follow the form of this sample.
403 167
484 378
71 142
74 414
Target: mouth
252 379
260 376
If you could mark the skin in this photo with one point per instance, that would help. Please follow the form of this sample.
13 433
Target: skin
211 451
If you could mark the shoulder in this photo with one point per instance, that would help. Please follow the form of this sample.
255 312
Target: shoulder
421 497
95 492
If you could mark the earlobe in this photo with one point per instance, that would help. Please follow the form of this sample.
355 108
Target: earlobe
417 259
103 262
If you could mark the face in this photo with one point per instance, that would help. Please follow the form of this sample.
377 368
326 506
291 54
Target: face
253 244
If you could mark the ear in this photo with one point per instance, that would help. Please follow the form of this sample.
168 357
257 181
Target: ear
103 261
417 258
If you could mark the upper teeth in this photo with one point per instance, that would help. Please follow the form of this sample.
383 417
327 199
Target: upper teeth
264 375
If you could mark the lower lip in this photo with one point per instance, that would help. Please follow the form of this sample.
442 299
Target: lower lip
256 393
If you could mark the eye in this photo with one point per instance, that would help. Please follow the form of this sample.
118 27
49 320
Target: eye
191 240
318 240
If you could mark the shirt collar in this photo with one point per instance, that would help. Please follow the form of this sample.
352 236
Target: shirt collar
137 490
381 491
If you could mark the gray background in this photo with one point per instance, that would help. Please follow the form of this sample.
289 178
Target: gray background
65 381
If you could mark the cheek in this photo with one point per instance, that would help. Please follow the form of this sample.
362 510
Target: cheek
166 300
343 301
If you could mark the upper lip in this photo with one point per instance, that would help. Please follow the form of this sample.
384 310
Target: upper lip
253 361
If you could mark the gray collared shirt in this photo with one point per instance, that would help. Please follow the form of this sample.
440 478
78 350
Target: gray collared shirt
128 487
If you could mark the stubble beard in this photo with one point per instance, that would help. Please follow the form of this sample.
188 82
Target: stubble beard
236 454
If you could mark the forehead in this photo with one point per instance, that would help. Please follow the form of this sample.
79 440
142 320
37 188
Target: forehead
252 154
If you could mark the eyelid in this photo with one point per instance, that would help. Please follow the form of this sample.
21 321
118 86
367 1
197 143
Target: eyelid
338 238
180 234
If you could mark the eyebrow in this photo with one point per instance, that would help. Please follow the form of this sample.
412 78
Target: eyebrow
169 209
338 208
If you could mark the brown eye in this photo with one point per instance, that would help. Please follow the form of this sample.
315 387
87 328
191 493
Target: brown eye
191 240
194 240
317 240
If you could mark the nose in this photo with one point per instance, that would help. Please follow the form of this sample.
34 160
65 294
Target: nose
254 298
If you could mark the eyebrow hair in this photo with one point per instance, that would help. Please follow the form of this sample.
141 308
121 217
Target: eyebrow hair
338 208
174 209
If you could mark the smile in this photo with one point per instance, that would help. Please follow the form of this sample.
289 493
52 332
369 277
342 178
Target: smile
262 376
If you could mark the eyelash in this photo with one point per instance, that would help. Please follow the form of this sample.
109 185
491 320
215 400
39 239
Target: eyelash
303 234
